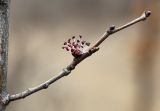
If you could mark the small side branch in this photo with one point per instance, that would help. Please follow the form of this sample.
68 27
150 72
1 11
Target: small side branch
113 29
66 71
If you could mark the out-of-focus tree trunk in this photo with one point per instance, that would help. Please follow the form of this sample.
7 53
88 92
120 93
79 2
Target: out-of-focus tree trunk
4 33
145 55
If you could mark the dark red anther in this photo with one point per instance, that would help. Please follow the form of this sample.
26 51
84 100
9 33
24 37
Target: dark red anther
65 43
83 42
67 49
69 45
73 43
80 36
73 37
75 46
87 44
78 41
72 50
69 40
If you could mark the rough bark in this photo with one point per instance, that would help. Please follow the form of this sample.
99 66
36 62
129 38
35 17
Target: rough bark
4 34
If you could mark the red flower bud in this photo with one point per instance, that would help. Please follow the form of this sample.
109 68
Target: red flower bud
75 46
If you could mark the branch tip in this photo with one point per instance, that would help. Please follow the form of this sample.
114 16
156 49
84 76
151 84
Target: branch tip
147 13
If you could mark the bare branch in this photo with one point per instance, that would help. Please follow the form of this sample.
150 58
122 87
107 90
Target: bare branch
113 29
44 85
66 71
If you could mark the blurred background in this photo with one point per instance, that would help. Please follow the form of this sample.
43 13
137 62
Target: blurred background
122 76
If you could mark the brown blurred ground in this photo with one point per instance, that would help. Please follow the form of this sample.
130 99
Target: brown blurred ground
107 81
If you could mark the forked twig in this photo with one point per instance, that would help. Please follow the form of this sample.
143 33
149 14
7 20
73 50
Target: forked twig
75 62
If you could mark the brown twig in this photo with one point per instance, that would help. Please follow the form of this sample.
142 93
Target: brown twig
66 71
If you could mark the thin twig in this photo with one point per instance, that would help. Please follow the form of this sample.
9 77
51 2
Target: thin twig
45 85
66 71
113 29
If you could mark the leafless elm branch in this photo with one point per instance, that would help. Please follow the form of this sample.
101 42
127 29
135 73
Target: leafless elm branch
66 71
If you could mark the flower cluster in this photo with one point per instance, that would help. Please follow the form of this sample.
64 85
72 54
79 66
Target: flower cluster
77 47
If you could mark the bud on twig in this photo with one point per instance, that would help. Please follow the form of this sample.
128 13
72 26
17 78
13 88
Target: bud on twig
77 47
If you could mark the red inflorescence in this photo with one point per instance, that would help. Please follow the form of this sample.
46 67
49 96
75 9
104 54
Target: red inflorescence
76 46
